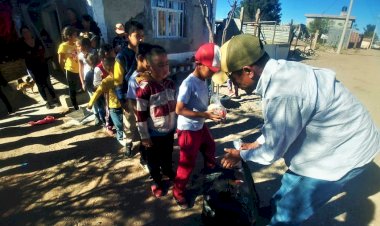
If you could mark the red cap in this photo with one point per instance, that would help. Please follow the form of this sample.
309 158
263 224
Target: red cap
209 55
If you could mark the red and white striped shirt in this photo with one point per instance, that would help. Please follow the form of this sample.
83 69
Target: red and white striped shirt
155 106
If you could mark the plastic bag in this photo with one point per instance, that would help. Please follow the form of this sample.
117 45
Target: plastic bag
216 106
230 198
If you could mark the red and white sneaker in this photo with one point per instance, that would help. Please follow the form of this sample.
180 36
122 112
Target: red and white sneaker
109 132
156 190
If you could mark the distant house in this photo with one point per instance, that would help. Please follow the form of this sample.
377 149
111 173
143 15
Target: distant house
336 25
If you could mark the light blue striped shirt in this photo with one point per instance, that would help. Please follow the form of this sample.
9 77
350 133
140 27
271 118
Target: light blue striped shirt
313 122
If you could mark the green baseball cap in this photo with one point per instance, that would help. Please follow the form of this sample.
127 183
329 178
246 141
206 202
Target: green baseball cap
241 50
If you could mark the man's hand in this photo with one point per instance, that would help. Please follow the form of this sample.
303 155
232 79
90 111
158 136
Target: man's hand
147 143
231 158
212 116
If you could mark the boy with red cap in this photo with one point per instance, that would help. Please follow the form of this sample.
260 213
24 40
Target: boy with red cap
193 134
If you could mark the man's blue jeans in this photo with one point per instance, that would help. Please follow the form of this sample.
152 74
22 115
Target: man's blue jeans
299 197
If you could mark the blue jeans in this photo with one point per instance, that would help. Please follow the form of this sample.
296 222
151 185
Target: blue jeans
117 118
299 197
99 108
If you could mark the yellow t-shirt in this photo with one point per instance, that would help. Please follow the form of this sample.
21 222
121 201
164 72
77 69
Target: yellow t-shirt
118 72
70 54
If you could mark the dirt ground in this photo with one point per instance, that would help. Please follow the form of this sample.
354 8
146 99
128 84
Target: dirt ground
60 174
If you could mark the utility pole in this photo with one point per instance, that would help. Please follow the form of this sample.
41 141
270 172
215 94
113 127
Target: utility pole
345 27
373 37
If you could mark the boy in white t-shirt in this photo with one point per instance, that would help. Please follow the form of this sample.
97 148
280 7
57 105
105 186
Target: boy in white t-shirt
193 134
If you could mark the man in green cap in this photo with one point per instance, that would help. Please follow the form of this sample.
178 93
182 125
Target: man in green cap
311 120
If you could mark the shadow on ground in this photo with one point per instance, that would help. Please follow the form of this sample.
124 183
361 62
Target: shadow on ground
88 181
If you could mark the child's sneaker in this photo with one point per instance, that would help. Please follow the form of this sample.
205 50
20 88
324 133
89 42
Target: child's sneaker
121 142
156 190
128 151
57 103
48 106
144 165
109 132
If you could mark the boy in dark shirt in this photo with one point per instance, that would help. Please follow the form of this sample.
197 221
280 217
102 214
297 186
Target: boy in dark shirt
125 65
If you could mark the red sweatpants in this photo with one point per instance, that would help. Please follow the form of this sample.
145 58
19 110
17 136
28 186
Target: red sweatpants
190 143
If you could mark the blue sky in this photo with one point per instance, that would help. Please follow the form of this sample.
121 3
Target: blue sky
365 11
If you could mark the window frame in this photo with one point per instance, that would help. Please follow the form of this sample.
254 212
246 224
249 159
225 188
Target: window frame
178 15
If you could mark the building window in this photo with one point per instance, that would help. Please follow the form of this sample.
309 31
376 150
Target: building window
168 18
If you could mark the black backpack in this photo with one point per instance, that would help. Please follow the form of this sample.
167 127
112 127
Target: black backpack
230 198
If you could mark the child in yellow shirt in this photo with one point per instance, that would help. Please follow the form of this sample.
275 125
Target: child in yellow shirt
107 86
68 60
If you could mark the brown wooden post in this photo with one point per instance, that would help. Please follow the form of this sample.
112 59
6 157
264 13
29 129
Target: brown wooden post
257 21
314 42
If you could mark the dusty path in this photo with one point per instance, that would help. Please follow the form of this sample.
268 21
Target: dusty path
77 176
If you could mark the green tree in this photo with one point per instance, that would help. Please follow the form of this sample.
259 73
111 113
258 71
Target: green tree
319 24
270 10
369 30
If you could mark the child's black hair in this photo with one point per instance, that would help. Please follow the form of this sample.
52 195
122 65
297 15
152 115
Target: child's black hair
84 42
133 26
108 63
92 59
143 49
104 50
68 32
154 51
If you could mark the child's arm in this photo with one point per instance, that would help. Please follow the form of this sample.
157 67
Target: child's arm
184 95
142 114
62 60
62 56
81 76
103 87
97 77
118 73
182 110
